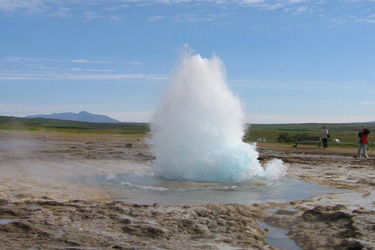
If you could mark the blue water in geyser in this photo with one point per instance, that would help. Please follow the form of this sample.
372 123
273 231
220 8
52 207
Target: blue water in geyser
146 188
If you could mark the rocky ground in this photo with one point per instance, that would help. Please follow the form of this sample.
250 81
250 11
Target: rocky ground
335 221
39 209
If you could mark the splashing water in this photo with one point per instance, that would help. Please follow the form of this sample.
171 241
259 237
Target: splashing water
196 134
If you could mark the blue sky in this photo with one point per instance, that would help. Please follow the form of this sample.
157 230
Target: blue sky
286 60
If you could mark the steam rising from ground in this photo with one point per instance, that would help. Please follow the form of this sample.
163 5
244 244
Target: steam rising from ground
197 132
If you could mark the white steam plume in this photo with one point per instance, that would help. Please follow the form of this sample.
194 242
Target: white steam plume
196 134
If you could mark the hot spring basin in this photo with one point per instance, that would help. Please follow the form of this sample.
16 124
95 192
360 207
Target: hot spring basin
146 188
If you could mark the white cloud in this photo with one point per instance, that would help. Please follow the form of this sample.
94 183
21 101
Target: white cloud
116 18
28 60
86 8
272 119
156 18
292 6
61 76
91 70
20 76
302 9
252 1
62 12
337 22
360 1
30 5
19 68
367 103
193 18
298 1
90 15
293 85
112 77
369 19
86 61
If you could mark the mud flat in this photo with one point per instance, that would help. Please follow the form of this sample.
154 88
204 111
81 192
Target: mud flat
41 209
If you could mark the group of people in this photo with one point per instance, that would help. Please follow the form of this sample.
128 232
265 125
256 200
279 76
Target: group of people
362 139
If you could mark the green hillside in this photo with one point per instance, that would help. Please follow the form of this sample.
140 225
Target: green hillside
15 123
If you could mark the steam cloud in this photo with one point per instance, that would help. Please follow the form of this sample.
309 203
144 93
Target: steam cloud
196 134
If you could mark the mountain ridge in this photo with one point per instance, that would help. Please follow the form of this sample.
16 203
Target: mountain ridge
82 116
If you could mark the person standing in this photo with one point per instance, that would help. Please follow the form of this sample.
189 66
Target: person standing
363 141
325 136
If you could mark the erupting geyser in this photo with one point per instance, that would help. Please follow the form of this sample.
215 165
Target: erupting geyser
196 134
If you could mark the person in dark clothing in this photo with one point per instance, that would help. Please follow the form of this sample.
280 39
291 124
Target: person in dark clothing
325 136
363 141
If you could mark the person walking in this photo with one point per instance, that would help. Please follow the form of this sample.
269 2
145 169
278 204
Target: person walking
363 141
325 136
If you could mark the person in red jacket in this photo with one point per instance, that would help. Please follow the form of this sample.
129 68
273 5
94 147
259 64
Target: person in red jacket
363 141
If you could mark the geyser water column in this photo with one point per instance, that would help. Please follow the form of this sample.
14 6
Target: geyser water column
196 134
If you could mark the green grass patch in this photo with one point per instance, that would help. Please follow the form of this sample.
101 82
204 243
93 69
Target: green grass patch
51 125
284 133
347 133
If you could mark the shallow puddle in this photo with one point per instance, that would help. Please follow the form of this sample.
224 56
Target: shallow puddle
277 237
148 189
6 221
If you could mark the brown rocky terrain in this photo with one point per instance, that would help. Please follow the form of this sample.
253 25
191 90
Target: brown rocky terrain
41 209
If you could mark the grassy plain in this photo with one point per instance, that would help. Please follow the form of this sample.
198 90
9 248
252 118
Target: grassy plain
51 125
345 132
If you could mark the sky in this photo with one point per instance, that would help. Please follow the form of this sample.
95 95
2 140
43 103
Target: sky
288 61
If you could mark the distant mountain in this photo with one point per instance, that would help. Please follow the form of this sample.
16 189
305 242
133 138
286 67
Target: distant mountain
82 116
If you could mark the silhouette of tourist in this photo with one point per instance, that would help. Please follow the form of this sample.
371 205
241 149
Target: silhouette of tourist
325 136
363 141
